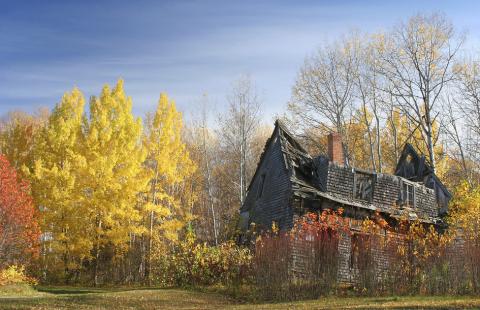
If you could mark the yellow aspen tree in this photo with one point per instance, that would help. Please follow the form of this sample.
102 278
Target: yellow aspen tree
170 166
114 174
464 211
54 186
18 132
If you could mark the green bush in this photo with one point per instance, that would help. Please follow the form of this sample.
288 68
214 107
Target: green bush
197 264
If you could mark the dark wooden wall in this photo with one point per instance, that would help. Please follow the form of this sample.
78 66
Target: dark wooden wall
274 204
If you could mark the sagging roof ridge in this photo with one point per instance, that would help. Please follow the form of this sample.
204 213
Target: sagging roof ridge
307 188
299 185
279 126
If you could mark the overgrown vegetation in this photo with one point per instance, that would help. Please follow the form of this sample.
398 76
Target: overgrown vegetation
93 195
196 264
411 259
14 281
302 263
15 275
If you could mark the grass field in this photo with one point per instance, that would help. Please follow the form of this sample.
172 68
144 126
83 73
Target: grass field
88 298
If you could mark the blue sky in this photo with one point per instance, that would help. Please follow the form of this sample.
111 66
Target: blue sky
186 48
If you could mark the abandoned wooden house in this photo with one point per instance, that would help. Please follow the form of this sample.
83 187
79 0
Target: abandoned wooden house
289 182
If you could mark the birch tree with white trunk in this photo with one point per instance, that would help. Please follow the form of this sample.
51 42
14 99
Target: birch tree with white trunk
418 59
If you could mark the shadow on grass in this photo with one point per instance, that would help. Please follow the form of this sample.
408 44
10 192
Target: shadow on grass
60 290
69 290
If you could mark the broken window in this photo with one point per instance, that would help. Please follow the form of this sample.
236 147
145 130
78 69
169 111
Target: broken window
408 194
262 183
407 168
363 186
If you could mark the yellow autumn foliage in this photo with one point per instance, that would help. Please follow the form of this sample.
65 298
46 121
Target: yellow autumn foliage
169 165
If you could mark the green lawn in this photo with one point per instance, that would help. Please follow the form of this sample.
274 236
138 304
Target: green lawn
88 298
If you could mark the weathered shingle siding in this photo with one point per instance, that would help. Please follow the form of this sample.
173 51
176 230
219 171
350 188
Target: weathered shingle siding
380 253
344 252
386 191
340 180
274 205
425 202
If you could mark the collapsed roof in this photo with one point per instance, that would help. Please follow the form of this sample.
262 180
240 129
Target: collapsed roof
319 178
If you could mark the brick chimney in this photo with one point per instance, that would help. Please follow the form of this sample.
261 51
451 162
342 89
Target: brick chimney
335 149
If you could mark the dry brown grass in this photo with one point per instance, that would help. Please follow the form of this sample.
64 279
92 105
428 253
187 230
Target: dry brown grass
116 298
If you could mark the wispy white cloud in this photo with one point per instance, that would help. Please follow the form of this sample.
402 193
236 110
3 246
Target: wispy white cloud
184 48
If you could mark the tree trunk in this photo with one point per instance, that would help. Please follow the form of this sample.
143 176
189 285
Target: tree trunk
370 140
209 184
148 262
429 133
379 144
395 134
149 249
97 255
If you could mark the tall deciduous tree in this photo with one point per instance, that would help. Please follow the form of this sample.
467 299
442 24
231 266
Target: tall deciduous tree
466 99
55 178
170 164
18 131
19 230
203 147
113 176
370 91
323 94
238 126
417 62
